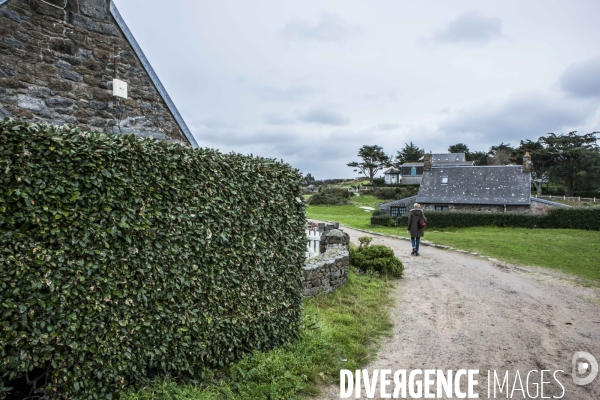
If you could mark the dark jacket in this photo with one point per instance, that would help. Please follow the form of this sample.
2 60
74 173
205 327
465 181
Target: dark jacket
413 223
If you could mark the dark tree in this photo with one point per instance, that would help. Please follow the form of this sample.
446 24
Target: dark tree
501 154
576 160
309 179
480 157
459 148
410 153
541 158
374 159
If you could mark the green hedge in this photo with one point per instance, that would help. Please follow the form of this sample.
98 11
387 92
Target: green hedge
124 258
330 197
395 193
587 218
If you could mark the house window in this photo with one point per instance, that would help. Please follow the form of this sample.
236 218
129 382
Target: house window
396 211
444 180
442 208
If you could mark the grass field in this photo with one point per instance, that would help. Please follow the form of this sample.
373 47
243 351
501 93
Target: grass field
568 250
341 330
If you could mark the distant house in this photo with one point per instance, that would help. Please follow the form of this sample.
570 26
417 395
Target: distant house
411 173
451 186
391 176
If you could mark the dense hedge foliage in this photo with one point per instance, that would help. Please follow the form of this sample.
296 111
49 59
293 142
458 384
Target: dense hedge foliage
382 218
124 258
331 197
377 258
587 218
395 193
405 185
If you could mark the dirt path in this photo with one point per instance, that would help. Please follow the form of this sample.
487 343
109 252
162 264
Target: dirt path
457 311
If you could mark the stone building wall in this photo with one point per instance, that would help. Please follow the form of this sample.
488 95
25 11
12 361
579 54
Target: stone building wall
328 271
541 208
480 208
56 66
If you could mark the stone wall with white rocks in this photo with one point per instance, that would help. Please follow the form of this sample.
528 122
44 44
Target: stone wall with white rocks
56 66
329 270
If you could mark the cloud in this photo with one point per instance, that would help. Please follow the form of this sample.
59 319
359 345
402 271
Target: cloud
388 126
390 95
330 28
216 124
293 93
259 137
279 119
582 79
520 116
468 28
324 116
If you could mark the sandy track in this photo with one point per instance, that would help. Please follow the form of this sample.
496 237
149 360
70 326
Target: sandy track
457 311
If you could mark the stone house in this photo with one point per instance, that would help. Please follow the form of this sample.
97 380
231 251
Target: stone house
455 187
411 173
57 65
391 176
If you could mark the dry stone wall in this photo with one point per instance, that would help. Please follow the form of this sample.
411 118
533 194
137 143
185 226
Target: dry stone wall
56 66
328 271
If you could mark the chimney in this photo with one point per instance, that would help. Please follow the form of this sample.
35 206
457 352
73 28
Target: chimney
527 165
427 163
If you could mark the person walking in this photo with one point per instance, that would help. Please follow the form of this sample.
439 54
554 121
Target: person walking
416 232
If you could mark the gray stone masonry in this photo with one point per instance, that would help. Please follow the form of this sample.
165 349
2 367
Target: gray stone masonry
333 236
56 66
328 271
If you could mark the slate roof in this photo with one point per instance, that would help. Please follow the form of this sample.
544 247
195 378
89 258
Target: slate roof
391 171
445 159
448 157
493 185
406 200
552 203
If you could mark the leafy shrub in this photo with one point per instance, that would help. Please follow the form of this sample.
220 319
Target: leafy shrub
125 257
587 218
364 241
395 193
331 197
382 218
377 258
378 181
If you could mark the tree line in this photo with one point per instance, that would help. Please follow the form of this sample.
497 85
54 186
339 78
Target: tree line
570 160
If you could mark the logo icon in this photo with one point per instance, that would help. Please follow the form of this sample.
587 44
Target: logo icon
584 363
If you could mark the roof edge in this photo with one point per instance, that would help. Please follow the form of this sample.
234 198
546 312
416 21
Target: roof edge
552 203
381 206
146 64
491 203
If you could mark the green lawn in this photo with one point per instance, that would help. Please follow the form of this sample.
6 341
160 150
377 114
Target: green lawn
341 330
568 250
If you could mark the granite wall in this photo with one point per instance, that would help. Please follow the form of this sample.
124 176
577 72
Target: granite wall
329 270
480 208
56 66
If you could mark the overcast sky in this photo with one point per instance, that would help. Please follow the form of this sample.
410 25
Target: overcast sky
312 81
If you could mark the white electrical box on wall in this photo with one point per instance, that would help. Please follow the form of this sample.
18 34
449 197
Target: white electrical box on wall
119 88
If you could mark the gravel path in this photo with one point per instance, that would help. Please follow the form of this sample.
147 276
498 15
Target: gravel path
457 311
